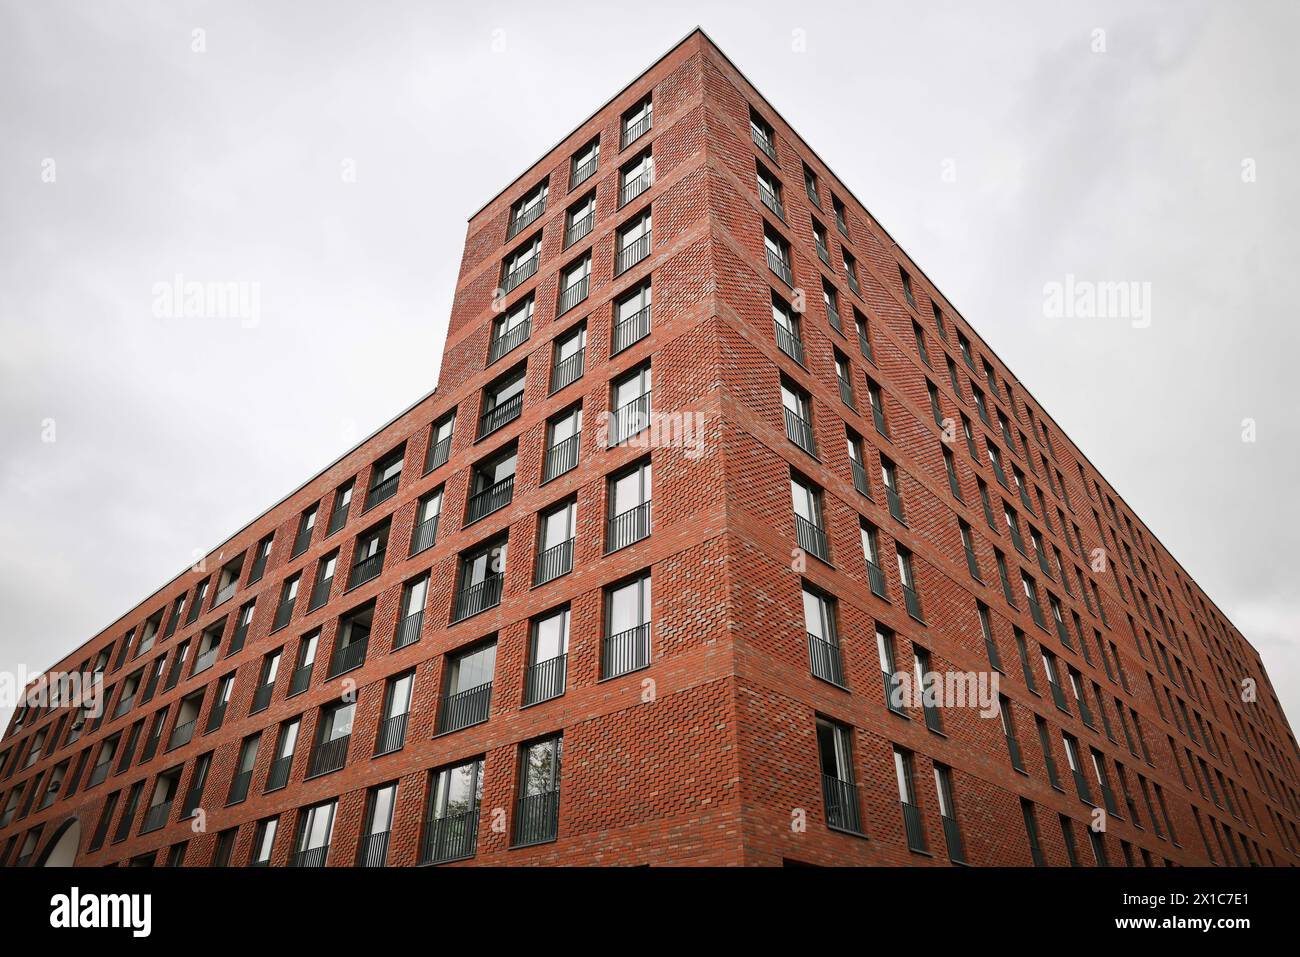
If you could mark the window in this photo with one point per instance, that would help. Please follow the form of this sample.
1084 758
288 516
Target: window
632 243
467 687
492 485
264 842
568 358
224 848
411 615
584 163
397 706
912 825
425 529
907 286
288 595
844 375
373 849
285 743
511 329
851 272
306 523
841 220
632 311
300 680
332 738
225 685
537 813
629 502
877 402
196 606
315 828
871 555
864 336
810 184
637 121
948 813
1031 832
228 580
502 403
857 464
482 574
797 410
635 178
825 659
451 822
368 555
1067 834
248 749
809 530
547 657
521 264
260 557
626 646
440 442
968 546
266 681
835 752
127 819
187 716
760 132
352 641
769 192
831 300
925 679
778 255
320 591
385 477
526 210
1076 767
630 405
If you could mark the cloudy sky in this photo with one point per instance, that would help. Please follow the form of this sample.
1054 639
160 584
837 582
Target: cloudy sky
331 152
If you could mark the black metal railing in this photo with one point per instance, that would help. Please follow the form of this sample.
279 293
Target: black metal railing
771 200
583 173
625 651
525 218
634 188
392 734
300 679
573 295
972 564
800 431
329 756
913 602
893 693
509 340
846 393
778 265
1081 786
812 538
520 273
864 346
895 503
501 415
1036 611
338 518
384 490
635 130
216 716
929 710
627 527
560 458
348 657
156 817
825 660
952 836
878 417
450 838
853 283
1061 632
237 639
545 679
312 857
192 801
876 579
842 811
464 708
438 454
629 419
568 370
629 330
537 818
822 252
424 535
320 593
1058 696
302 540
262 697
833 315
372 850
1013 749
278 776
490 499
182 734
861 481
913 827
789 343
578 229
763 143
366 569
239 787
472 599
150 746
283 613
632 253
408 630
554 562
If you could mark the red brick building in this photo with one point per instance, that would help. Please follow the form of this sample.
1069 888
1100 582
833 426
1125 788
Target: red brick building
710 466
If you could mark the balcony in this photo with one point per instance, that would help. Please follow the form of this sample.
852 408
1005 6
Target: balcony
763 143
348 658
825 660
842 811
634 131
424 535
800 431
300 680
579 228
239 787
392 734
778 265
537 818
520 273
789 343
329 756
320 593
573 295
583 173
914 827
913 602
278 776
472 599
625 651
630 330
560 458
372 851
633 188
156 817
509 340
262 697
525 218
465 708
225 594
895 504
408 630
631 254
181 735
627 527
876 579
450 838
383 491
629 419
771 200
812 538
568 370
312 857
366 569
545 680
952 836
204 661
491 499
554 562
438 454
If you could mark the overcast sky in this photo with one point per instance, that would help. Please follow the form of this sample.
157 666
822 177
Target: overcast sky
331 152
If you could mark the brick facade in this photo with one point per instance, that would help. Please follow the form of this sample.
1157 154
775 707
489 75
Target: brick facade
710 754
